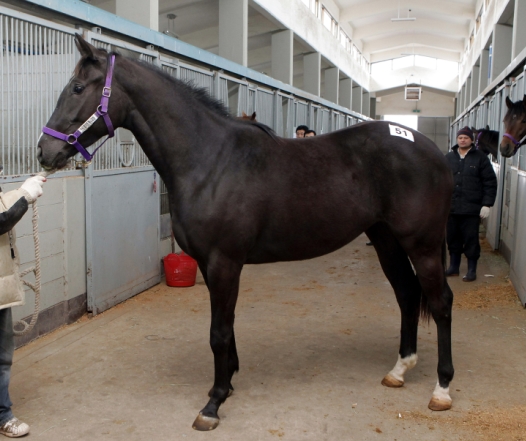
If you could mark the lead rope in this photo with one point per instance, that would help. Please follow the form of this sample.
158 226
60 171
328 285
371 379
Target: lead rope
26 327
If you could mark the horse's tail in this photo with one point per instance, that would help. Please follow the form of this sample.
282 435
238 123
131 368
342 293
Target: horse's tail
425 312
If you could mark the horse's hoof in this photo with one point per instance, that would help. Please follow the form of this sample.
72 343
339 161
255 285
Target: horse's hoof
391 381
204 423
438 404
230 392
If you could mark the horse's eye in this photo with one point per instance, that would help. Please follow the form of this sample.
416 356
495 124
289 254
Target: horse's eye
78 88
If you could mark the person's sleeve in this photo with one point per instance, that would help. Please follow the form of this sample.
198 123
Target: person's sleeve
9 218
489 183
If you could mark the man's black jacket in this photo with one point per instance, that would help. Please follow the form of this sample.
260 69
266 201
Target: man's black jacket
475 181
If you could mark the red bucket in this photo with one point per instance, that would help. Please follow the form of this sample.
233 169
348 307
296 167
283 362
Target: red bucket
180 269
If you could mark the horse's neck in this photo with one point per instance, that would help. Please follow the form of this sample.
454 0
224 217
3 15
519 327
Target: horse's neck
172 131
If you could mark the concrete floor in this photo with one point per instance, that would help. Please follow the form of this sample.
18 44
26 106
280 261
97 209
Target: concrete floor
315 338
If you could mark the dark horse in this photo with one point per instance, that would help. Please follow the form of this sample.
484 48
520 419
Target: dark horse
239 194
487 140
514 127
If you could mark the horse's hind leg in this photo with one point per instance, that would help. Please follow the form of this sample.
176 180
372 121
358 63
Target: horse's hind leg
438 300
398 270
222 276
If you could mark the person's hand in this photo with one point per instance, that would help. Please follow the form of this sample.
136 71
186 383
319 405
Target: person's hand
33 186
484 212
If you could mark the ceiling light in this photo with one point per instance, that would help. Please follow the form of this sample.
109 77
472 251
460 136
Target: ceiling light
403 18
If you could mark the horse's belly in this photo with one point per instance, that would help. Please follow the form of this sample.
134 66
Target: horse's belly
301 245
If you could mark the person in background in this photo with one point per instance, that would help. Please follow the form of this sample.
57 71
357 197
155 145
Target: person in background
474 193
309 133
300 131
13 206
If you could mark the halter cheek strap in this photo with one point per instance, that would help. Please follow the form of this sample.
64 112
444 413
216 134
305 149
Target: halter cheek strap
515 142
102 111
477 140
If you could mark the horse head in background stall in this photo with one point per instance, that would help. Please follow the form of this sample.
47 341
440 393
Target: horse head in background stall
486 140
240 195
514 127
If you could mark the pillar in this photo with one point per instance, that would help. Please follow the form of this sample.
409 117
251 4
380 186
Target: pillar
519 30
312 73
501 54
233 30
475 78
282 44
345 95
332 80
484 72
143 12
357 98
366 103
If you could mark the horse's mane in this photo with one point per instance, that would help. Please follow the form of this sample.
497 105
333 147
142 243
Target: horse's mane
200 94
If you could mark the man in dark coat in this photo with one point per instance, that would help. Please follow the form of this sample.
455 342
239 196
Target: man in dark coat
474 193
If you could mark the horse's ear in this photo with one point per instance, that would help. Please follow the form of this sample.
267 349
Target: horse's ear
487 127
474 129
244 115
509 103
86 50
253 117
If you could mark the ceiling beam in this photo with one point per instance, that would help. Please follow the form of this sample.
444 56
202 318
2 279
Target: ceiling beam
417 50
366 8
429 40
437 27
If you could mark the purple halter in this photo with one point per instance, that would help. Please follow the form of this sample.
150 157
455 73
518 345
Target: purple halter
102 110
477 140
517 143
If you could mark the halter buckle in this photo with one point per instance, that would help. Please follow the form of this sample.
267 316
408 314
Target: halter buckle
71 139
106 91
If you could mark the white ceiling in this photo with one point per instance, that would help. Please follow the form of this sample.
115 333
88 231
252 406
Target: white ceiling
441 28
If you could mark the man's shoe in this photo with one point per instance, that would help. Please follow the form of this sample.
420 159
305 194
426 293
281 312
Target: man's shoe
14 428
472 271
454 265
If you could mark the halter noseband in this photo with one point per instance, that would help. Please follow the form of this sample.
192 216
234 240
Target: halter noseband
102 111
515 142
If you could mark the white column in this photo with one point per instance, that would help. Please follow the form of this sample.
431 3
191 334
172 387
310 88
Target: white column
469 98
345 94
282 56
357 98
501 55
332 80
475 77
233 30
519 30
366 103
312 73
484 59
143 12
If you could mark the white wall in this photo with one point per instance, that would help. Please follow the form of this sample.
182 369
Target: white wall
431 104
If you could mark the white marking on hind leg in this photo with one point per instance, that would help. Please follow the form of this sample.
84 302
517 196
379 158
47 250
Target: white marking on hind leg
441 399
395 378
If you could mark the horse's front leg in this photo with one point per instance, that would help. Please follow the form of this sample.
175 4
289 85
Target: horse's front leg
223 284
233 360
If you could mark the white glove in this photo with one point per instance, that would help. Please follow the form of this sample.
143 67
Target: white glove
484 212
33 186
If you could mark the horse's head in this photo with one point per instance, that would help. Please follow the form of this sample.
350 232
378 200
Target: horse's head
514 127
76 108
